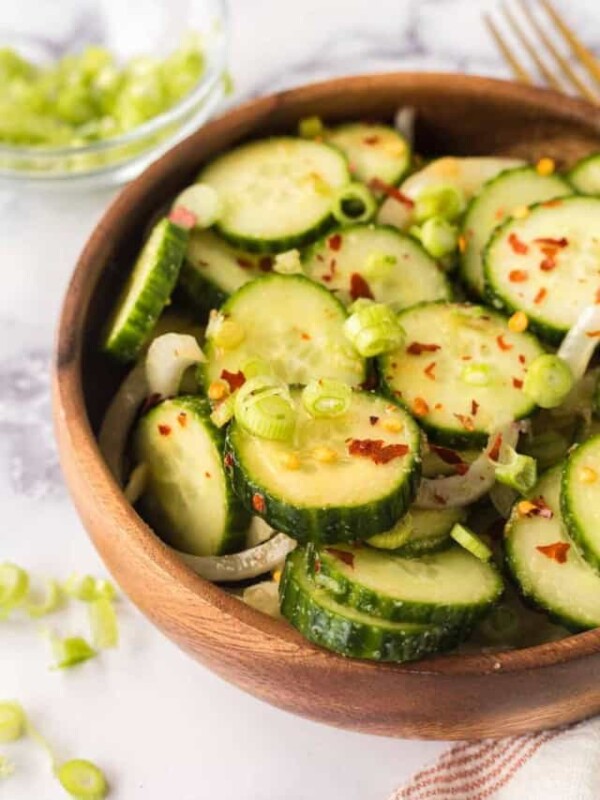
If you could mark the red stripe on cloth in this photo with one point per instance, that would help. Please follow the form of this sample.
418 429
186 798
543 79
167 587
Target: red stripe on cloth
473 770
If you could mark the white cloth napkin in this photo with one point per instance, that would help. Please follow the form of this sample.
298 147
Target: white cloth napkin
562 764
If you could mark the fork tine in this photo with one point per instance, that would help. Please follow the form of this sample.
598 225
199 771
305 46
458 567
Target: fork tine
519 71
589 61
551 79
566 68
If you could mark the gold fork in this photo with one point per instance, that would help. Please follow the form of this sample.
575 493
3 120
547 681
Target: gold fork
553 67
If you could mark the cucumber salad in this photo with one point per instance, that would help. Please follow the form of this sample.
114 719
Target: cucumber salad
359 389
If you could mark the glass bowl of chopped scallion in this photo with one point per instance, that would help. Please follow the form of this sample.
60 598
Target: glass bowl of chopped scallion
92 91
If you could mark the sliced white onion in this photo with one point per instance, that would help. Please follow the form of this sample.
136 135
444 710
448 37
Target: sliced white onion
577 348
404 122
119 418
263 596
240 566
461 490
168 358
136 483
258 532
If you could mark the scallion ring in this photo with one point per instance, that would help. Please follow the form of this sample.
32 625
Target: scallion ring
70 651
548 381
471 542
82 780
50 602
374 329
264 408
354 203
518 471
444 201
14 587
326 398
438 236
103 623
13 722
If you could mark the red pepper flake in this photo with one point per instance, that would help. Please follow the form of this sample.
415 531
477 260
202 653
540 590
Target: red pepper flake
518 247
439 499
233 379
439 406
417 348
521 358
328 276
359 287
540 296
552 203
517 383
548 264
557 551
183 217
228 460
207 475
465 421
534 508
503 344
258 503
474 407
342 555
377 450
265 264
420 407
466 358
306 336
244 263
500 214
317 565
462 468
371 139
430 370
597 297
377 185
182 418
164 430
548 240
335 242
494 451
151 401
447 455
373 420
518 276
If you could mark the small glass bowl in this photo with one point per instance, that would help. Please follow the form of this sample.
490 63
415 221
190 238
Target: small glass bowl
127 28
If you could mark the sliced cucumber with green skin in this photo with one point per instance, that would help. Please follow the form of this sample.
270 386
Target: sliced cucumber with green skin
322 486
293 324
465 344
213 269
356 634
189 500
547 264
499 198
395 268
147 291
276 193
580 498
373 151
585 175
450 588
425 531
566 587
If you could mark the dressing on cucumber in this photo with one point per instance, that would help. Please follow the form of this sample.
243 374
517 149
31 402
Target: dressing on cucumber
276 193
339 479
377 261
374 152
460 372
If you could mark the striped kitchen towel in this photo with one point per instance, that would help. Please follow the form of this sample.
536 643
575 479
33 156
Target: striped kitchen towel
562 764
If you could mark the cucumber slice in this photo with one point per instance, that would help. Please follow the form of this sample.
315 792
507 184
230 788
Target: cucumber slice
499 198
373 151
466 174
349 632
580 495
568 591
294 325
213 269
147 291
395 268
276 193
420 531
554 284
449 588
323 486
585 175
466 345
188 500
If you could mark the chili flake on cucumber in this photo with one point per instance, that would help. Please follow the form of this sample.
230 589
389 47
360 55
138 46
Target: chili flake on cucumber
335 421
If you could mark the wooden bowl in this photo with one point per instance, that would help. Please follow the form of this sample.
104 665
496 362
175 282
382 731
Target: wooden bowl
449 697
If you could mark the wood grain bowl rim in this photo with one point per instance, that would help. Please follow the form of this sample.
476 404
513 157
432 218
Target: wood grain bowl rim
78 441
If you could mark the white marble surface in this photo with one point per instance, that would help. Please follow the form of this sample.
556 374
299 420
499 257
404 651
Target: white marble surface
163 727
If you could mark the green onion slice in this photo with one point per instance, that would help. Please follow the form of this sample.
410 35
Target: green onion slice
394 538
548 381
446 202
288 263
519 471
12 722
374 329
51 601
103 623
81 587
82 780
471 542
438 236
224 411
311 127
264 408
7 767
203 202
14 587
354 203
70 651
379 265
326 398
256 366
